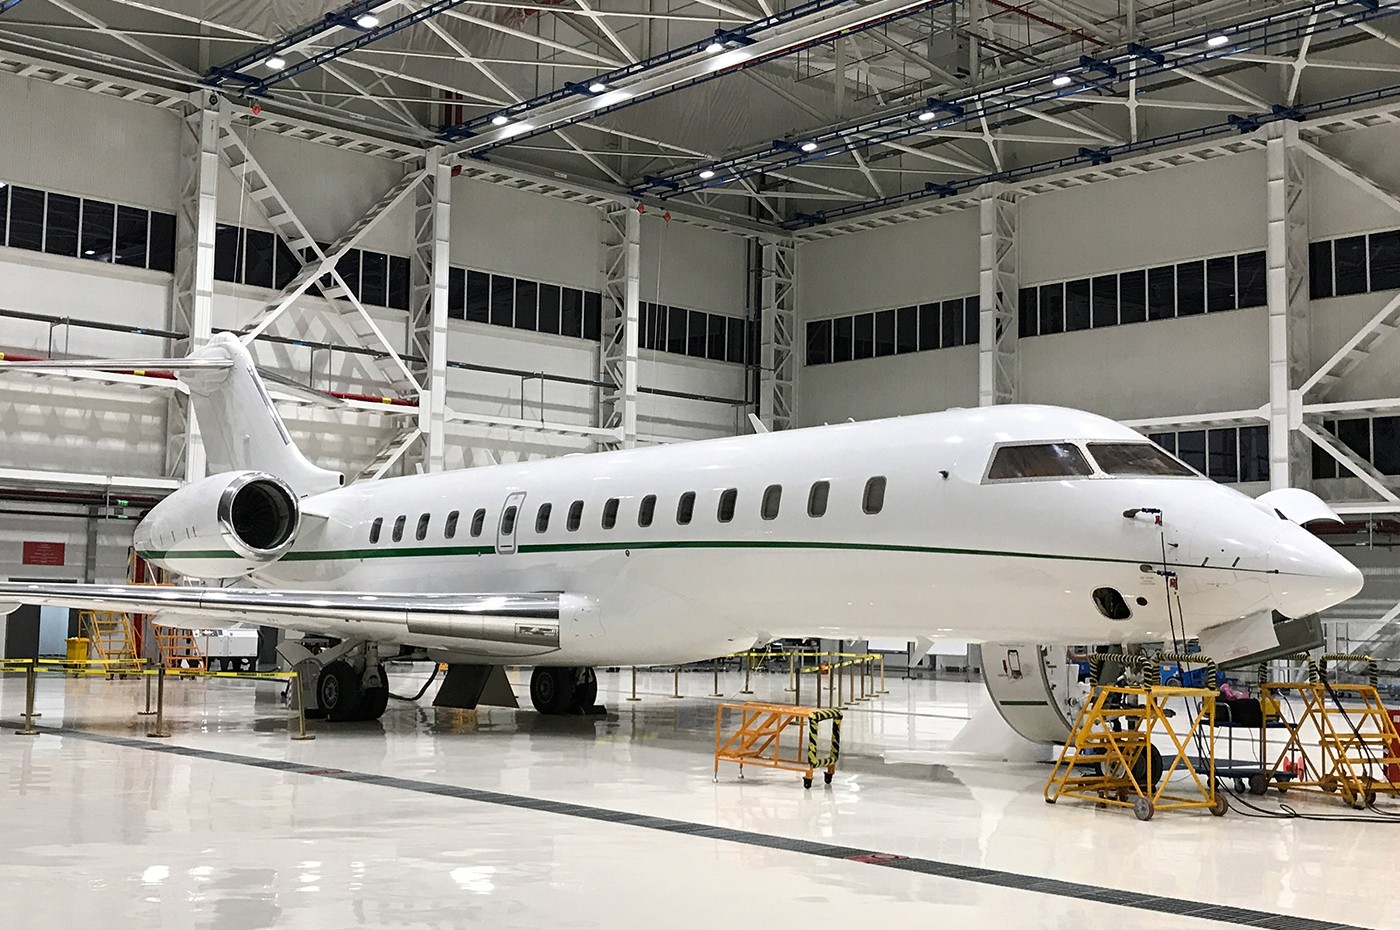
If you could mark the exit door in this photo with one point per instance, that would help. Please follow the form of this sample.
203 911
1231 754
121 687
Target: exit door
510 523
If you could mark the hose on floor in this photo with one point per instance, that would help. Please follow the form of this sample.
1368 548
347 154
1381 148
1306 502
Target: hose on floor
423 690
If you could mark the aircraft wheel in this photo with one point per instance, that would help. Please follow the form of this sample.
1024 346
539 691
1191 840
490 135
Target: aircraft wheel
552 689
375 700
338 691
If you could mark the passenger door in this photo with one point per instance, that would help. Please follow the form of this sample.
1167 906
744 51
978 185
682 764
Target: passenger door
510 523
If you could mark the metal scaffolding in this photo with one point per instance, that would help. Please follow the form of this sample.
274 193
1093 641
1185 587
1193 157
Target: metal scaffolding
622 292
427 315
1286 256
997 354
777 387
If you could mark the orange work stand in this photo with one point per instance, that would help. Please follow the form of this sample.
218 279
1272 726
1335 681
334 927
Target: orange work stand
759 739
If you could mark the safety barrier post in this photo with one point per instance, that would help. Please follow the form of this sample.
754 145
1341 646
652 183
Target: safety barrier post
792 676
159 731
301 733
748 669
882 675
31 679
797 689
714 664
830 684
864 669
634 685
147 712
839 673
677 692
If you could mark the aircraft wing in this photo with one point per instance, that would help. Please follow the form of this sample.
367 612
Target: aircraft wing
430 620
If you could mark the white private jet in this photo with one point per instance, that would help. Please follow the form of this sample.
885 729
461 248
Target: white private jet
1025 524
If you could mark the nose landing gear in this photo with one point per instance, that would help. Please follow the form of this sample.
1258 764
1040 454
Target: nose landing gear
564 690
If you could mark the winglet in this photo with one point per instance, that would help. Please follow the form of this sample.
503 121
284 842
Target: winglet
758 426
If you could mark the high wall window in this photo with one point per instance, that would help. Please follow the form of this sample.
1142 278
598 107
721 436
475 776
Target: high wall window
919 328
1373 439
715 336
79 227
1228 282
1229 455
502 300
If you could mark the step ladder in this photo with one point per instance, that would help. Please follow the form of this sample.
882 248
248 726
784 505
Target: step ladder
179 648
112 639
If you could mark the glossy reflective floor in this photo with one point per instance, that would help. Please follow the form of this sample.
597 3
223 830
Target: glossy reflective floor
229 824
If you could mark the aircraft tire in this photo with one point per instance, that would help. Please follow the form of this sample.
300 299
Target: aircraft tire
375 700
339 693
552 689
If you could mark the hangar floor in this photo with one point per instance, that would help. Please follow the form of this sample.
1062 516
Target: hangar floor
507 819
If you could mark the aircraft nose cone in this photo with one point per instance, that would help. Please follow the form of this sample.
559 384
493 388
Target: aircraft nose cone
1308 575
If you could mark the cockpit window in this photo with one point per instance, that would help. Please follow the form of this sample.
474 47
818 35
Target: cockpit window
1137 459
1047 460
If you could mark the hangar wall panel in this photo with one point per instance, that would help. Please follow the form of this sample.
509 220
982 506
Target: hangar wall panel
498 229
893 386
81 143
698 269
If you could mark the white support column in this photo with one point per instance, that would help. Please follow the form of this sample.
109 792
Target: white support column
622 293
1290 463
192 296
777 402
999 296
427 318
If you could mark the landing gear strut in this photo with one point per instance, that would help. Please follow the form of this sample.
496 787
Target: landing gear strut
563 690
344 682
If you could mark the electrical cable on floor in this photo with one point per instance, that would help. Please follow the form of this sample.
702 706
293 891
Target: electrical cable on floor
437 667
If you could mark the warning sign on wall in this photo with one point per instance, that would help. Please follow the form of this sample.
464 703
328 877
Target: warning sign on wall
43 553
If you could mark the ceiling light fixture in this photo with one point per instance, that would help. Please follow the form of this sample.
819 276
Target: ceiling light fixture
707 174
597 87
809 146
500 119
275 63
1061 80
715 47
1217 39
927 115
366 20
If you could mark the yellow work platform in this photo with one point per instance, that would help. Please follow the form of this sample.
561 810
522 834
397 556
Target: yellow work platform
759 738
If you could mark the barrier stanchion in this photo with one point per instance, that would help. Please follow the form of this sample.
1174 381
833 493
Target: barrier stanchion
31 678
864 668
159 731
830 684
792 677
147 712
839 673
301 733
748 669
797 688
715 666
634 685
678 683
882 690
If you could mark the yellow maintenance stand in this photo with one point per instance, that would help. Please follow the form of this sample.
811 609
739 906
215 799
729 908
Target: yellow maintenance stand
1343 741
1109 757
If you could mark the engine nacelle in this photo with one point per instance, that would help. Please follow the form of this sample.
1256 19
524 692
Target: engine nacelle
223 526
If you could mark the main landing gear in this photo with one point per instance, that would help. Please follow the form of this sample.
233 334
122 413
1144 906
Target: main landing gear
342 682
564 690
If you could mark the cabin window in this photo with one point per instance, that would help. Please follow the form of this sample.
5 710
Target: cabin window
542 517
772 499
398 528
1044 460
610 513
422 532
646 510
817 497
874 499
727 499
375 529
575 516
508 520
478 521
685 508
1137 459
449 529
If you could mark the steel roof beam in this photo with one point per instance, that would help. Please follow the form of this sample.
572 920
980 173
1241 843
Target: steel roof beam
347 17
743 47
1089 76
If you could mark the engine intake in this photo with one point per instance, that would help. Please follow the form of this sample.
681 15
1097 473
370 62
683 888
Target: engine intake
223 526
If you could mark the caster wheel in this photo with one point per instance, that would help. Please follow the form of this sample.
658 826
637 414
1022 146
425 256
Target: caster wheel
828 776
1282 789
1370 799
1049 800
1239 786
1220 805
1258 784
1329 784
806 782
1143 808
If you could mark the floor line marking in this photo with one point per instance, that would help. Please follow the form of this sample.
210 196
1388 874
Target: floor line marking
1141 901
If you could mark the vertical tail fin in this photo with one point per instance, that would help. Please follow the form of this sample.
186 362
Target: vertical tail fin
241 428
